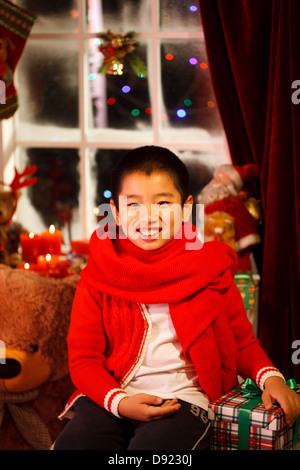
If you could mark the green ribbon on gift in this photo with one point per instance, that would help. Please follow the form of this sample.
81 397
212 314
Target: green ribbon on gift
250 390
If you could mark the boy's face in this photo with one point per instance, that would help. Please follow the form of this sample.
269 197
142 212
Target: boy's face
150 209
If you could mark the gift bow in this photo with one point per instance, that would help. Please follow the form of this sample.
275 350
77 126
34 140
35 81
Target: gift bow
249 389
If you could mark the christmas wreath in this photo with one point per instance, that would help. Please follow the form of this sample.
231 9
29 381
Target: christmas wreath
119 50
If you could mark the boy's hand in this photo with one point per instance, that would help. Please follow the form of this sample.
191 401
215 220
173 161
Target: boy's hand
139 407
288 399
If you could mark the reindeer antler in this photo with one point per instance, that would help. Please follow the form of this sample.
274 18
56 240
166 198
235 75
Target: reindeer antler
21 180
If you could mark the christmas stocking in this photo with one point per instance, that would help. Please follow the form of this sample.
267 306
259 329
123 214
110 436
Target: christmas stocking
15 26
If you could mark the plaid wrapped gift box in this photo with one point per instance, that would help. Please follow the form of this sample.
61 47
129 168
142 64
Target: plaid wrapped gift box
264 430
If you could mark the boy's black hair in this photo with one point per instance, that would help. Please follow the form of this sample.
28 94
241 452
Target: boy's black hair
148 159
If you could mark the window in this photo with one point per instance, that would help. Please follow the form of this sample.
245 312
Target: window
74 123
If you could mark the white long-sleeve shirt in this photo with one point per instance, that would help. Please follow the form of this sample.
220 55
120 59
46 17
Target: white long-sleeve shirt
164 371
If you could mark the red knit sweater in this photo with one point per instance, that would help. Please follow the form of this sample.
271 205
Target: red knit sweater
109 324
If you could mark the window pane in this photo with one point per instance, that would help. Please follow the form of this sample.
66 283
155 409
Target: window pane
48 91
100 165
117 15
52 16
54 199
179 15
117 102
188 102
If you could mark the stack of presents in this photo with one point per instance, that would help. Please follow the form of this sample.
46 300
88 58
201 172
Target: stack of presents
239 420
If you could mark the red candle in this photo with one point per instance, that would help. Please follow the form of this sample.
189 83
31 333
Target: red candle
51 261
51 241
31 246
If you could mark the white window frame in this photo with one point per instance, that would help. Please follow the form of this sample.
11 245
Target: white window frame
9 143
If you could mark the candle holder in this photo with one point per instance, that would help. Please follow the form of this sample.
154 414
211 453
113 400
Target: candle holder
34 267
54 265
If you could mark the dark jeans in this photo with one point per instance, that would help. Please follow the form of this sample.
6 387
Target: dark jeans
94 428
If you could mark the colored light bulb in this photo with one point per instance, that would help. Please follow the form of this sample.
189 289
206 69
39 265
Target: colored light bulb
181 113
107 194
135 112
126 89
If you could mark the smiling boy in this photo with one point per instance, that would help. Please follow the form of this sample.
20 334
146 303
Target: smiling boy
151 216
158 330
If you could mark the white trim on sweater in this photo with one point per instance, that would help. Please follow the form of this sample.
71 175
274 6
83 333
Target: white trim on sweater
67 412
144 343
114 407
266 372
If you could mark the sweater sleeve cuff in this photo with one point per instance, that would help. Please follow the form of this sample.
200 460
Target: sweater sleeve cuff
112 400
265 373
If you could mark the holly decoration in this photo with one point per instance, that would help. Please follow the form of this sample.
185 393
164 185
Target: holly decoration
119 51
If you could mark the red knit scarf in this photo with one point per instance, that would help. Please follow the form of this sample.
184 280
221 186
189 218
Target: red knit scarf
181 268
186 274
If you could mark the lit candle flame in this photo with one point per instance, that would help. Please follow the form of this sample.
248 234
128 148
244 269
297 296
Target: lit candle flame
51 229
31 235
48 257
26 265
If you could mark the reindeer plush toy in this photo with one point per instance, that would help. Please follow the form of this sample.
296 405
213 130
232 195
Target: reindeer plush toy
9 195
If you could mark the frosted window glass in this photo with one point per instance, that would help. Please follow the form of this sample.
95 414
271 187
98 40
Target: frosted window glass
119 102
55 198
52 16
118 15
180 15
188 100
47 84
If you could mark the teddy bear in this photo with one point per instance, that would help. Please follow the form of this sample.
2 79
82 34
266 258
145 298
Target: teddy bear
34 379
219 226
7 208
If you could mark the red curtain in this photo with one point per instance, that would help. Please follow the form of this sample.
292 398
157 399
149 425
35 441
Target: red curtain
253 49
